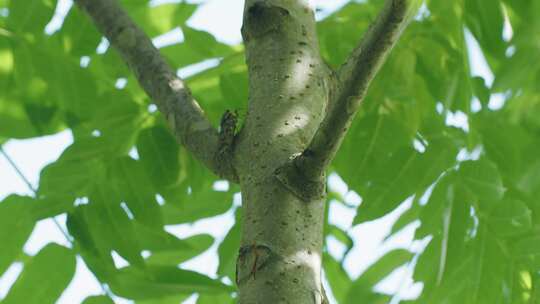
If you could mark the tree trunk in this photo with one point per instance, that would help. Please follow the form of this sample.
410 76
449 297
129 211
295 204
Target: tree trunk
280 257
299 111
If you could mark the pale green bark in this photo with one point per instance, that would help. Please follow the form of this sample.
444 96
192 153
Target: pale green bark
288 97
298 113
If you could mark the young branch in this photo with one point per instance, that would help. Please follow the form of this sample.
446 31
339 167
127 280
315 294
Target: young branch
353 78
159 81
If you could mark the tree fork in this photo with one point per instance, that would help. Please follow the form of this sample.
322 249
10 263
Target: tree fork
298 113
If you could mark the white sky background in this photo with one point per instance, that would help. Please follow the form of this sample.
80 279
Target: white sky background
223 19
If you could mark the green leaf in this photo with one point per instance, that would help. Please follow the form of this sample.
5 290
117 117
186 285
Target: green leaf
481 90
361 288
29 16
438 206
228 249
234 87
204 202
406 218
341 236
94 250
162 281
204 43
133 186
162 18
165 300
482 180
117 123
527 250
158 152
112 226
184 250
211 299
338 278
46 275
485 20
79 35
410 172
516 72
510 217
74 173
46 207
98 300
16 224
46 76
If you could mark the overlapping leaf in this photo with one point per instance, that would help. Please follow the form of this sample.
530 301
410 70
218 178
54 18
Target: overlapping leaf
46 275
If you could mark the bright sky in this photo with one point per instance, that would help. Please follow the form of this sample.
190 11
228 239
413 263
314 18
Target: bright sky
225 15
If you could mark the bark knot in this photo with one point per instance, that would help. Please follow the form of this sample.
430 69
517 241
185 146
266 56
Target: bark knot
263 18
252 258
293 177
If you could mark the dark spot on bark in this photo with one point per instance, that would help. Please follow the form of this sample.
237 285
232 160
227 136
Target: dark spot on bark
263 19
295 280
308 152
302 43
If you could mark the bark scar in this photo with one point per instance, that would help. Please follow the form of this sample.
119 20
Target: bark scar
293 178
251 258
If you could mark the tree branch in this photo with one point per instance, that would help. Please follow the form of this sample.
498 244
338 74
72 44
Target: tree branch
174 100
353 78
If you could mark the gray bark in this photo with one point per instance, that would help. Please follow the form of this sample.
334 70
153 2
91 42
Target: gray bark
174 100
298 113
